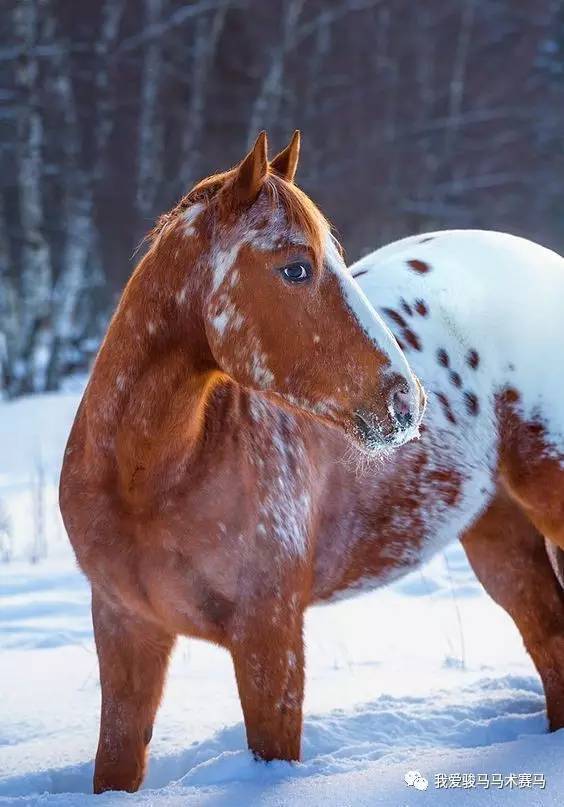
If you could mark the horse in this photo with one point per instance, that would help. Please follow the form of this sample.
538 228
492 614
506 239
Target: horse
202 486
478 314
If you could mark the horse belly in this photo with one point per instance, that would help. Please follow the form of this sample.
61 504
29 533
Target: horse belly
430 494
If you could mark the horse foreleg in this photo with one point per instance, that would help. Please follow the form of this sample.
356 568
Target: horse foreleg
268 656
509 558
133 659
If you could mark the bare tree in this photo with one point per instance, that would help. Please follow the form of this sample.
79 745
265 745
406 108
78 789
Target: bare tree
151 114
30 358
208 31
71 279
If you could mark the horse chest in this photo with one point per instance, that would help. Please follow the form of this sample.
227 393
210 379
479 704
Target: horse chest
202 560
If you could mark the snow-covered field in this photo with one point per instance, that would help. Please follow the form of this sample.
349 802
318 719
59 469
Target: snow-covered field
427 675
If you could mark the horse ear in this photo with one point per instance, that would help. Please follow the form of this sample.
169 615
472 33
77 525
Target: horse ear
252 172
286 162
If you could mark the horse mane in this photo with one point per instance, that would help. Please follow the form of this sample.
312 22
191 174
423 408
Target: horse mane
300 211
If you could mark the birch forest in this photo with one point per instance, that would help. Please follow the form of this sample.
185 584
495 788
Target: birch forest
414 116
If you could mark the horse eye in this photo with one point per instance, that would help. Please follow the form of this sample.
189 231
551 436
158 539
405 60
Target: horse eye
297 272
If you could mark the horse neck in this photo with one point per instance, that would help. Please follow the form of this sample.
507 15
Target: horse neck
155 369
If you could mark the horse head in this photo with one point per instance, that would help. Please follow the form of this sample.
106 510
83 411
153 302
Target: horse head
280 310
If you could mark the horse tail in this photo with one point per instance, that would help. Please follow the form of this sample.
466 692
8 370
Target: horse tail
556 558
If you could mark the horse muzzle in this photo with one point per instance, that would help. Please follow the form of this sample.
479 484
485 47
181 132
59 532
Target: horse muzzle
394 424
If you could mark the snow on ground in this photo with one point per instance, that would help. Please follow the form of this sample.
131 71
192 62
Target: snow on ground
426 675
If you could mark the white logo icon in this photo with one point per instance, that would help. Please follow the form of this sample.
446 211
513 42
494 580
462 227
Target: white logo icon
416 780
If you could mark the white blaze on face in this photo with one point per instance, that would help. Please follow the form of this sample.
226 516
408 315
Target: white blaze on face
371 323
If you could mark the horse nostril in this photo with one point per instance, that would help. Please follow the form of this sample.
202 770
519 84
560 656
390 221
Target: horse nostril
401 407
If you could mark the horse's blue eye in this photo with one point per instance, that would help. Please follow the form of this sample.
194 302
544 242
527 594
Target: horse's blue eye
297 272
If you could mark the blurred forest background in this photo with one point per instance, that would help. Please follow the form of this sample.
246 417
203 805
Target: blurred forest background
415 115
